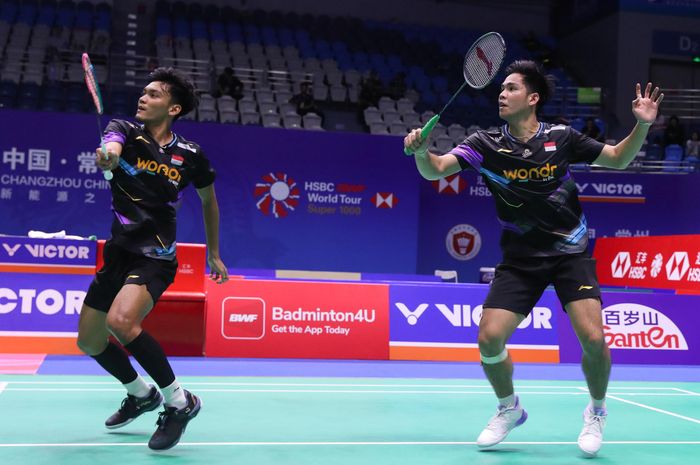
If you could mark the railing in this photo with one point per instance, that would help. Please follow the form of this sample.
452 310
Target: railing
133 70
684 103
644 166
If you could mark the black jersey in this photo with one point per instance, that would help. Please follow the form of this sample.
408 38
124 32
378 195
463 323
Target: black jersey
536 196
147 187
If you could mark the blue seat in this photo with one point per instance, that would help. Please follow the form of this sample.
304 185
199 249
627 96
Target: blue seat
673 154
654 152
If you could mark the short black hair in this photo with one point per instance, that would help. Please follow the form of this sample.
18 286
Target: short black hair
534 78
180 87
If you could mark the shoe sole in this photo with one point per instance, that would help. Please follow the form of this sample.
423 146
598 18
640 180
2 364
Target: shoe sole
132 419
195 412
520 421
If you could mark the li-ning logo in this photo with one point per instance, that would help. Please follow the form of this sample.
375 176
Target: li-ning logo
542 173
677 266
635 326
621 265
277 195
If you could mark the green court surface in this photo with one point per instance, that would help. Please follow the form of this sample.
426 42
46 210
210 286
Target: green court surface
58 420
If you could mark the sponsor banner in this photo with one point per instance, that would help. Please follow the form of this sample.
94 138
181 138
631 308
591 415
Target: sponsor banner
631 205
305 200
645 329
441 322
297 319
19 250
659 262
29 305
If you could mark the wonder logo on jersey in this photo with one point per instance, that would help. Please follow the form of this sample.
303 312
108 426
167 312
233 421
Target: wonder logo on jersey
540 173
154 167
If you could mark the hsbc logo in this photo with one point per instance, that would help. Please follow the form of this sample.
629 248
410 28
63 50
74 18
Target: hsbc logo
243 318
384 200
677 266
451 185
621 265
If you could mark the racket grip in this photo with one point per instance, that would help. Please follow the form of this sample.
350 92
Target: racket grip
425 131
107 173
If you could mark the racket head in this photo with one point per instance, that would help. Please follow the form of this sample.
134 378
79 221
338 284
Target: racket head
92 85
484 59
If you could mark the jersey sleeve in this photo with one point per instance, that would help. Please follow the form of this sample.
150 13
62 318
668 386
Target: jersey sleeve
467 153
203 174
584 149
117 131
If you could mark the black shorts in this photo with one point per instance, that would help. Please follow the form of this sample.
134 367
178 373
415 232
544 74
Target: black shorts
520 282
124 267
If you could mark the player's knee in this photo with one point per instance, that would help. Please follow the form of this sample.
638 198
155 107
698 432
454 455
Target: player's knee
120 325
90 346
593 343
490 342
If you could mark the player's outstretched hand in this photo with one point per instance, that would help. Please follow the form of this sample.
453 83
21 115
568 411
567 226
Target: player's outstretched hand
414 142
646 107
218 271
106 161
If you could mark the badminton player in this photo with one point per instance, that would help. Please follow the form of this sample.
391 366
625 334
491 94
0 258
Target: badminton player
525 164
151 166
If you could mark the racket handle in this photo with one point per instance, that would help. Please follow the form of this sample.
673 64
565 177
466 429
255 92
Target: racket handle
425 131
107 173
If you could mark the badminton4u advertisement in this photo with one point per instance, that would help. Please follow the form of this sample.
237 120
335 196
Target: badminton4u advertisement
441 322
297 319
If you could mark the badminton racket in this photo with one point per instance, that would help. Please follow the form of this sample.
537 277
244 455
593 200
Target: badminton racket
94 89
481 64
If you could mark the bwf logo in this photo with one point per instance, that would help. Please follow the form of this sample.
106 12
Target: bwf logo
621 265
243 318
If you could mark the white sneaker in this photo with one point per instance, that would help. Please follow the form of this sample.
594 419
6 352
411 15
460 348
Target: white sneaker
501 424
591 437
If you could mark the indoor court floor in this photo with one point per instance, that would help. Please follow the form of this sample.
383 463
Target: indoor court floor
345 412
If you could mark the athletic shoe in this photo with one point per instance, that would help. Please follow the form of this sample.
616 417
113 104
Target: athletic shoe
501 424
172 423
591 437
133 407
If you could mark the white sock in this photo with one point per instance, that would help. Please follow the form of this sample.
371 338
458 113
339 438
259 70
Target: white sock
138 387
507 402
174 395
597 404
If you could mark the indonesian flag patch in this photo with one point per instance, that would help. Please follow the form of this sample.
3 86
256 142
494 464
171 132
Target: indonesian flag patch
177 160
550 146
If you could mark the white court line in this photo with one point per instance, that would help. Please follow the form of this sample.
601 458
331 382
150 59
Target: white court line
581 392
3 385
687 392
648 407
345 443
452 386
